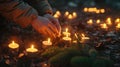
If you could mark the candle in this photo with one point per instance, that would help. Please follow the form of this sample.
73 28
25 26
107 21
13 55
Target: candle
58 13
67 38
104 26
90 22
66 32
56 16
117 20
118 26
102 10
47 43
13 45
74 14
97 11
98 21
70 17
84 37
85 9
66 14
31 49
109 21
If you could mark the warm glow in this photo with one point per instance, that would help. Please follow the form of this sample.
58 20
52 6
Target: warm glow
58 13
84 37
90 22
66 14
74 14
104 26
56 16
109 21
97 11
98 21
70 17
117 20
102 10
66 32
67 38
118 25
32 49
47 42
85 9
13 45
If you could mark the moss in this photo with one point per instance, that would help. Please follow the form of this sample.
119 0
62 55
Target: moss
80 61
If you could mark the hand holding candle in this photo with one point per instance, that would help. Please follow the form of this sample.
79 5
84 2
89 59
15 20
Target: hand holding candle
13 45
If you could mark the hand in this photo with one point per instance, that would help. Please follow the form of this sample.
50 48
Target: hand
55 22
45 27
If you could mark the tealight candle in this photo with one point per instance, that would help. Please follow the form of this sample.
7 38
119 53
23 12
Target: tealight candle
117 20
67 38
84 37
98 21
13 45
97 11
85 9
90 22
109 21
104 26
31 49
74 14
70 17
58 13
47 43
66 32
66 14
118 26
102 10
56 16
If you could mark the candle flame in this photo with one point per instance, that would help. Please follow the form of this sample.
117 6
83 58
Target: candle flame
32 46
85 9
117 20
90 22
70 16
98 21
118 25
66 13
104 25
102 10
49 40
74 14
56 16
58 13
13 42
83 35
66 30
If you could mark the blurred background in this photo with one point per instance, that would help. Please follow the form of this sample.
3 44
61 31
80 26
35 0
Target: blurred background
77 4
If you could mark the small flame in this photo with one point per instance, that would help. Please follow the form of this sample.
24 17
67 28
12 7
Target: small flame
66 13
83 35
49 40
98 21
118 25
58 13
70 16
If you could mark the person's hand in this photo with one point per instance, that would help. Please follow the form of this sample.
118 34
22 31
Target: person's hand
45 27
55 22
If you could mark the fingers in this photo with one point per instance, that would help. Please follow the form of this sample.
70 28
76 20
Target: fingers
57 25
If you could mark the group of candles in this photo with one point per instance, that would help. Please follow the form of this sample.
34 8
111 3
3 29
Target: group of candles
32 49
107 23
67 15
94 10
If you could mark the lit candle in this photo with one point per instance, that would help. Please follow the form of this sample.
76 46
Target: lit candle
98 21
66 14
90 22
31 49
84 37
97 11
67 38
66 32
109 21
102 10
104 26
117 20
74 14
118 26
47 43
13 45
58 13
70 17
56 16
85 9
